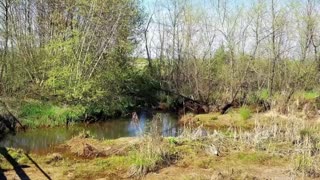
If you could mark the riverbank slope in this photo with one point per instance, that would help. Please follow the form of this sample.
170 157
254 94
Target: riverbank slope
275 147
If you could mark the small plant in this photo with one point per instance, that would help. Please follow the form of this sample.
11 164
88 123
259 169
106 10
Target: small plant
172 140
263 94
245 112
311 95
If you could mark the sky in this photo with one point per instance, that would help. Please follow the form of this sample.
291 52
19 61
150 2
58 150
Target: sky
149 3
153 34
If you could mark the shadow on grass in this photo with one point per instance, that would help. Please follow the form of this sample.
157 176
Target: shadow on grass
40 169
2 176
18 168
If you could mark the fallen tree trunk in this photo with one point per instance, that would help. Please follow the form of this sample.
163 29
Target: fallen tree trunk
226 107
182 96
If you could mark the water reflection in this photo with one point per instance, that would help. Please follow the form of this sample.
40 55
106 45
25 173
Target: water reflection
42 139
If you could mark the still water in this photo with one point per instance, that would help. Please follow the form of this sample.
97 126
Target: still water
39 140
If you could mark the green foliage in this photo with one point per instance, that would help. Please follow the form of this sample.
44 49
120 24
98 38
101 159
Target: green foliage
311 95
245 112
172 140
221 55
37 114
89 67
263 94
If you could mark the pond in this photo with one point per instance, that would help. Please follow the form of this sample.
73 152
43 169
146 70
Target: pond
44 139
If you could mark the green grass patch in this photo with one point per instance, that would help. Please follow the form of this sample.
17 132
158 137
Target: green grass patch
254 158
113 163
245 112
40 114
172 140
236 118
144 162
263 94
311 95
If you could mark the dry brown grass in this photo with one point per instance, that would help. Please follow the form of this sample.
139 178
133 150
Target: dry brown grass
287 138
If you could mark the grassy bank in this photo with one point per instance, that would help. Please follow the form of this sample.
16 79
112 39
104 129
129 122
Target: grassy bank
240 118
35 113
39 113
275 147
44 114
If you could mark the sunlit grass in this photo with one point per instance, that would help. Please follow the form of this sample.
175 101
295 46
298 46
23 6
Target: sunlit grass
311 95
245 113
38 114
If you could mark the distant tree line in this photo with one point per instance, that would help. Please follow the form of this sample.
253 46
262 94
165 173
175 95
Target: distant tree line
224 52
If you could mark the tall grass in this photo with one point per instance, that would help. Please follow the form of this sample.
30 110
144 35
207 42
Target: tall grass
153 153
39 114
286 140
